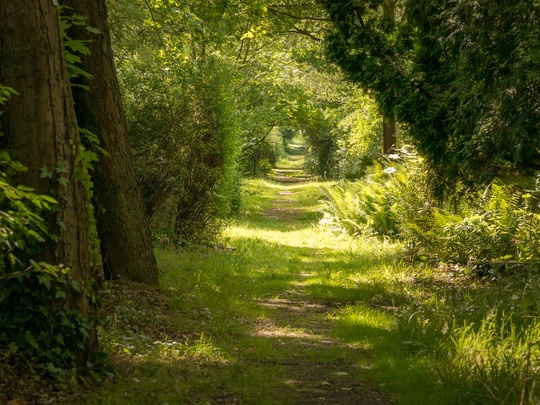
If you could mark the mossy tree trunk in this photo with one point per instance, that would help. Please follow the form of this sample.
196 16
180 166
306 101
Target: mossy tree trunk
122 224
40 126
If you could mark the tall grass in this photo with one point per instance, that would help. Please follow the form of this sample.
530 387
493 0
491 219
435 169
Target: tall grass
494 362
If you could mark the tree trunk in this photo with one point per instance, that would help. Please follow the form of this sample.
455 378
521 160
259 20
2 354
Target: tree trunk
389 134
389 121
122 224
40 126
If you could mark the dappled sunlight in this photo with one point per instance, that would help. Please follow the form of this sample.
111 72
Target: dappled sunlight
263 309
311 237
288 332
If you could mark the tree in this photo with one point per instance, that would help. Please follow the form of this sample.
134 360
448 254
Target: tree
389 120
40 126
462 76
123 229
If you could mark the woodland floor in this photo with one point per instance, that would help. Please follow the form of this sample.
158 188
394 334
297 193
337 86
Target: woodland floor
320 368
302 362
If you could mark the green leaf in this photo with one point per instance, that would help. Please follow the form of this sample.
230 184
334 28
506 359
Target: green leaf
24 188
60 339
77 46
60 168
48 199
93 30
72 58
31 340
64 181
45 173
35 235
60 294
45 280
90 156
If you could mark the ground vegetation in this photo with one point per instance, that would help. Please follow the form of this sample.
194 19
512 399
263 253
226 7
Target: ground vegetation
297 262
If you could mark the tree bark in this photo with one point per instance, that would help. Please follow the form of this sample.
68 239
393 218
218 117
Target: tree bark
123 227
40 126
389 121
389 134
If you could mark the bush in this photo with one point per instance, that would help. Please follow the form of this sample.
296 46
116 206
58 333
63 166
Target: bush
185 138
500 224
359 137
387 197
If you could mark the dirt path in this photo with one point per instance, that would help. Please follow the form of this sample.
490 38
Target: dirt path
319 368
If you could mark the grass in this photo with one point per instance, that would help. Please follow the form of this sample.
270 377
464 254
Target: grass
216 330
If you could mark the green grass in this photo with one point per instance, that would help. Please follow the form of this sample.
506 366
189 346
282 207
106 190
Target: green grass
415 332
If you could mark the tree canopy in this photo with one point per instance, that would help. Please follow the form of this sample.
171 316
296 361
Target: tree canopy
462 78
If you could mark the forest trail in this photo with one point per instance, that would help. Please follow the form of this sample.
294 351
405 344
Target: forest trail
249 321
319 368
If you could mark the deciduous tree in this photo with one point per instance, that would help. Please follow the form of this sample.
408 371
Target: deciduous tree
40 127
122 225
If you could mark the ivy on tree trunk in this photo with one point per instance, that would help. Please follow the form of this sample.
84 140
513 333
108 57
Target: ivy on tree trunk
123 227
40 126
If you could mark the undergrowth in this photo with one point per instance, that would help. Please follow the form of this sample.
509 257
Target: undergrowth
420 333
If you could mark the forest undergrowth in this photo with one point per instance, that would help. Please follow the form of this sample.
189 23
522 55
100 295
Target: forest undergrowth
281 311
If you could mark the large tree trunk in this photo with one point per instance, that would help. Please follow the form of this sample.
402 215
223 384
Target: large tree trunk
122 224
40 126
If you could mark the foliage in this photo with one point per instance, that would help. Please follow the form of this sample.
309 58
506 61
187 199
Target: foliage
37 320
74 48
233 69
184 139
22 228
359 136
500 224
463 76
381 202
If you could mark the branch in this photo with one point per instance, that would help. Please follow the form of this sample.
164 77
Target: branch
274 10
264 137
297 30
155 23
253 146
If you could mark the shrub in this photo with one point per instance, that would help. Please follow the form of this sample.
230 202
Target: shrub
381 202
500 224
184 147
